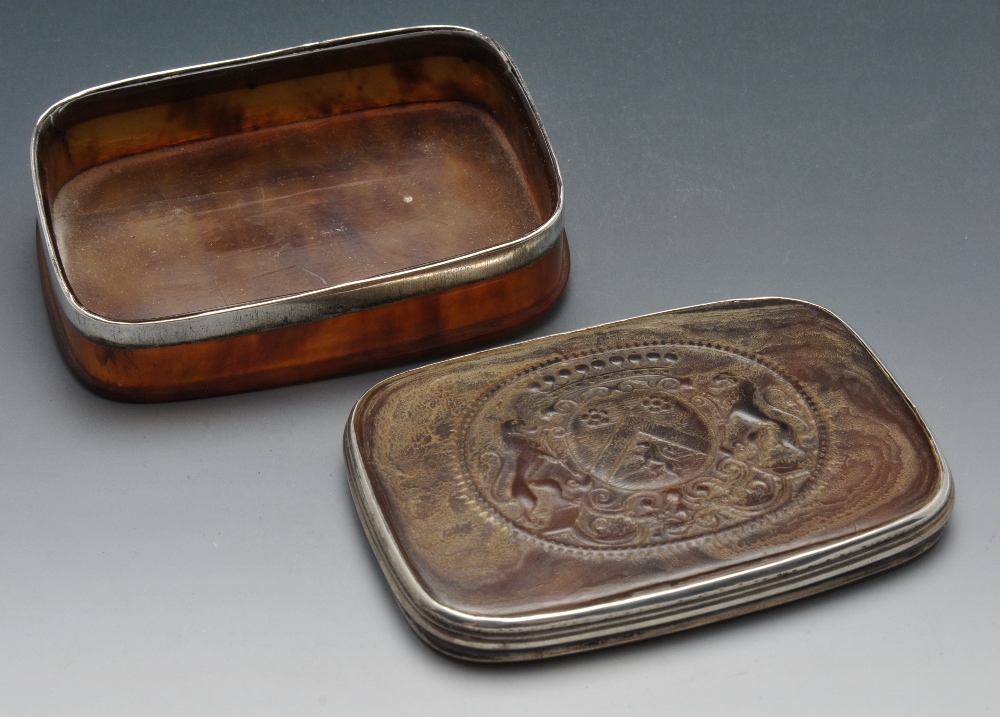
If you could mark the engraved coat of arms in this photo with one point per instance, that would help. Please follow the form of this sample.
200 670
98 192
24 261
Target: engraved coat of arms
641 447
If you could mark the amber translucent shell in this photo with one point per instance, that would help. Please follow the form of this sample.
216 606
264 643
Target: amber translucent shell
175 207
388 334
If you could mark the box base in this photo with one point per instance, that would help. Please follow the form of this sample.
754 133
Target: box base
363 340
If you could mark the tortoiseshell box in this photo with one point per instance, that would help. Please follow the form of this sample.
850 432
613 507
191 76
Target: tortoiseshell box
640 477
287 216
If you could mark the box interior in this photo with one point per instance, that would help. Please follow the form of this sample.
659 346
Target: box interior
290 175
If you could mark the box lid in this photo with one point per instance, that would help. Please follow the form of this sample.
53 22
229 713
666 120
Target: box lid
640 477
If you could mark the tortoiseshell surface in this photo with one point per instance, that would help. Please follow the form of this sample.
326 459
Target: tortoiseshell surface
322 209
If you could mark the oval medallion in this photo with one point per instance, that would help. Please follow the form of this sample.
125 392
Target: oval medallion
641 446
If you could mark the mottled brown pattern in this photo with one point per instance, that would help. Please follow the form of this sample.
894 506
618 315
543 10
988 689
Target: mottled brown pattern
258 215
617 460
303 173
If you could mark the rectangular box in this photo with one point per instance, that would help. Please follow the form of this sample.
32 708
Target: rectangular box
322 209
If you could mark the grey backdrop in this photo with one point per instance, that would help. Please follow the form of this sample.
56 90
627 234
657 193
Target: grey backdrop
204 557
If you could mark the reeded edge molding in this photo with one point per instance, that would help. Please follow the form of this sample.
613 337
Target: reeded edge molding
791 575
309 306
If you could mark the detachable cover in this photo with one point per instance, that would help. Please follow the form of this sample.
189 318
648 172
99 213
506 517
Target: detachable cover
640 477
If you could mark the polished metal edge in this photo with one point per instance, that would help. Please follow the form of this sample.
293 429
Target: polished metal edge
546 634
308 306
